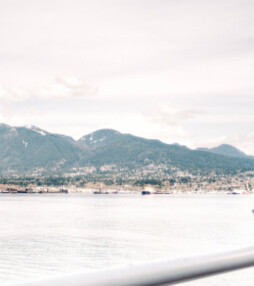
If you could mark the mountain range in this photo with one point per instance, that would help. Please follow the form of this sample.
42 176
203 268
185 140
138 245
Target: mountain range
31 150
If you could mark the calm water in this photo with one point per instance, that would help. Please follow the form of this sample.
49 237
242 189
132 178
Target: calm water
43 235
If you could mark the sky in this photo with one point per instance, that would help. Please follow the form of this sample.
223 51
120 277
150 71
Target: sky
174 70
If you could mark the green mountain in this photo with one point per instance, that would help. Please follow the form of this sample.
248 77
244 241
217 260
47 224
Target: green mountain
31 150
109 147
226 150
100 138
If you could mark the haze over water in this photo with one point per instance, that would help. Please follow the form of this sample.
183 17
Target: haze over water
45 235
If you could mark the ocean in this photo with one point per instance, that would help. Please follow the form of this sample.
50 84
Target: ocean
43 235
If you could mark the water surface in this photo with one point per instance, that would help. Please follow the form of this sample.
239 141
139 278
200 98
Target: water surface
49 234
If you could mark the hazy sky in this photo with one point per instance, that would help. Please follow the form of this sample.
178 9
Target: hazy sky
177 70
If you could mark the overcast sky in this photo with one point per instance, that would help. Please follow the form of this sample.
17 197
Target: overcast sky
176 70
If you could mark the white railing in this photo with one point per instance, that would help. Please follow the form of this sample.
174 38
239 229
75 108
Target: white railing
158 273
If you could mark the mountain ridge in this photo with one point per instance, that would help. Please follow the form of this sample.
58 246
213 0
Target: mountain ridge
225 149
29 149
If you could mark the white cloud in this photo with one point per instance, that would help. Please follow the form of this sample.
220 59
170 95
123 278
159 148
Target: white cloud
12 95
66 87
228 118
251 136
62 87
166 115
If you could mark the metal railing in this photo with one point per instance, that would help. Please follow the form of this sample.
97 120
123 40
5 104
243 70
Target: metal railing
157 273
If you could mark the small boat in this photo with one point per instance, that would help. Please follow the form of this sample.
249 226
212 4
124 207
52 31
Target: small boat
4 192
101 192
65 191
43 191
145 193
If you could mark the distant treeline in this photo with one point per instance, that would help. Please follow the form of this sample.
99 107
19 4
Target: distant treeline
82 180
43 181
